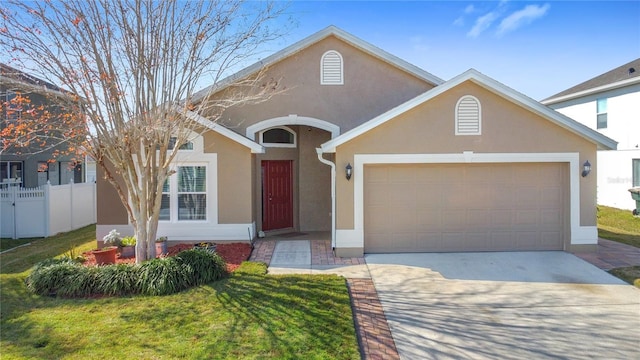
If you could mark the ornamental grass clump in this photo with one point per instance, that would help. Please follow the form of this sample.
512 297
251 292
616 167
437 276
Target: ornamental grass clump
66 278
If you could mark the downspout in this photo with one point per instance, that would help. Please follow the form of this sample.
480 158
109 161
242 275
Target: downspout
333 195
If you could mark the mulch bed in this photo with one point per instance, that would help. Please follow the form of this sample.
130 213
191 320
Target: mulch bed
233 254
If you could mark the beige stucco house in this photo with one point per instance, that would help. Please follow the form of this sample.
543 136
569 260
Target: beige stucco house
467 164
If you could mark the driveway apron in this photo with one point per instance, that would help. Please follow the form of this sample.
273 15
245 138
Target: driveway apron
516 305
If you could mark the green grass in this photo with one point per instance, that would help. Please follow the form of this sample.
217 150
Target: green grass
6 244
246 316
621 226
618 225
629 274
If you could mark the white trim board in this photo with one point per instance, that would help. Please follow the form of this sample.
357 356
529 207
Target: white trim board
190 232
578 234
292 119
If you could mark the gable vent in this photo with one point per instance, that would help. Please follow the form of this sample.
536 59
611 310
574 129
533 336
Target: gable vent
468 116
331 68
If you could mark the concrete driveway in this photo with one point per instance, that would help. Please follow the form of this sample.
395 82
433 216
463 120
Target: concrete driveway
516 305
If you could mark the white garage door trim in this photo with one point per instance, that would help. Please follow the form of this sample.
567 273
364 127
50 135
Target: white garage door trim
347 238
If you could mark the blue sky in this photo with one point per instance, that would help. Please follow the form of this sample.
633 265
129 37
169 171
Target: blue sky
536 47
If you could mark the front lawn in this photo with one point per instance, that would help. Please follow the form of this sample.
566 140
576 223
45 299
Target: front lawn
246 316
618 225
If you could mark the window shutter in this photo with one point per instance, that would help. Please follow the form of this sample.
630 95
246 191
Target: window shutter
468 116
331 68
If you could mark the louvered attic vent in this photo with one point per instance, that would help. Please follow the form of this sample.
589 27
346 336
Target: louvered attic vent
468 116
331 68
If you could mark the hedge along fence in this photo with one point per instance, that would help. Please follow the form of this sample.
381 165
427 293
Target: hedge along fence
67 278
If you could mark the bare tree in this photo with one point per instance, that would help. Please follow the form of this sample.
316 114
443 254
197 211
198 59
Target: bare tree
134 66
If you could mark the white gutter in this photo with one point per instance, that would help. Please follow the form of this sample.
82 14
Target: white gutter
333 195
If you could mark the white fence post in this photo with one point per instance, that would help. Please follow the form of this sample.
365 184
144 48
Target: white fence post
47 209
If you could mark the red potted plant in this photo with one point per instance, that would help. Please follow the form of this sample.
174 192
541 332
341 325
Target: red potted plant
107 254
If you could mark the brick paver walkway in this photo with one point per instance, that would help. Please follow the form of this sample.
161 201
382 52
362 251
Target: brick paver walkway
374 336
611 255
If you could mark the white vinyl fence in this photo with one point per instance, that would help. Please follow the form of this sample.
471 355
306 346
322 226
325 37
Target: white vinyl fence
46 210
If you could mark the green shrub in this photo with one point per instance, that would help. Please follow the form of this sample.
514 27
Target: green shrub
162 277
118 280
128 241
65 277
62 277
201 266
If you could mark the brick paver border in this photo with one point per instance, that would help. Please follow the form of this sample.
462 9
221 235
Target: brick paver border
374 335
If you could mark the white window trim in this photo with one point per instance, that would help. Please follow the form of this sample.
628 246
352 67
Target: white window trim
322 82
479 116
346 238
279 145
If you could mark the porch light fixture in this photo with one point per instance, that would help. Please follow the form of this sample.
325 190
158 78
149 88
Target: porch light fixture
586 168
349 171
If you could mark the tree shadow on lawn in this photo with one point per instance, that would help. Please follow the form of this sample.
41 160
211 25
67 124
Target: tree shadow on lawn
288 316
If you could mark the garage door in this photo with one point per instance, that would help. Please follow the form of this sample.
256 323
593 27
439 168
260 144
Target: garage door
464 207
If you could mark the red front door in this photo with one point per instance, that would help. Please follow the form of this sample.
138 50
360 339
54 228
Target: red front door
277 194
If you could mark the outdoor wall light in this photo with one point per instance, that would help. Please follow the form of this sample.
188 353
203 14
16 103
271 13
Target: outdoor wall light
349 171
586 168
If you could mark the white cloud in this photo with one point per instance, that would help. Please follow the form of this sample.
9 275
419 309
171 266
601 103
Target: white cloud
418 44
469 9
482 23
522 17
459 21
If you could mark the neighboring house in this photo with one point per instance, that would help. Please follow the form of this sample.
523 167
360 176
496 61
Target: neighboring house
610 103
467 164
30 170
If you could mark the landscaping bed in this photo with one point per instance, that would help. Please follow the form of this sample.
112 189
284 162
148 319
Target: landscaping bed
233 254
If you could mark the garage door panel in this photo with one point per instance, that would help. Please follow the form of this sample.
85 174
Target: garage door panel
376 219
428 219
403 218
551 218
376 194
464 207
404 195
528 197
551 197
527 218
428 198
501 218
454 196
478 219
501 240
377 174
402 174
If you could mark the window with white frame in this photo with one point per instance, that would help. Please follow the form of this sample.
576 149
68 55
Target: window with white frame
468 116
280 136
11 172
184 196
331 68
601 109
635 164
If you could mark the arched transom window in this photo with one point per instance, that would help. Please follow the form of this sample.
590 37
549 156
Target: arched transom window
280 136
